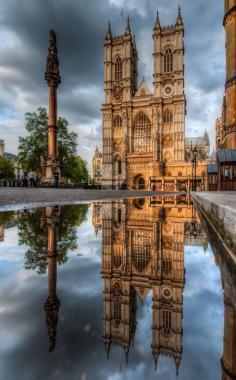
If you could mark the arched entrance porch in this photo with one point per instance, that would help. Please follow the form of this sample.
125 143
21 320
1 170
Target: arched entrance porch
139 182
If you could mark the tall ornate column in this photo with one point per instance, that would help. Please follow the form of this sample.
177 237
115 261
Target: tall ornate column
52 166
51 306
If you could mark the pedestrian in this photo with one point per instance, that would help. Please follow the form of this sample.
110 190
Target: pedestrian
31 178
25 179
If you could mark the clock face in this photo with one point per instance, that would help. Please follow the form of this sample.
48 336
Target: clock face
168 90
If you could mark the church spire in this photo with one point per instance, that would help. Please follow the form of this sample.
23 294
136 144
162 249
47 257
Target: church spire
206 138
157 22
126 352
107 348
155 355
108 35
179 20
128 29
177 364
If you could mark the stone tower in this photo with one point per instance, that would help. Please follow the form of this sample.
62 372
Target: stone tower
143 131
120 84
230 85
143 251
168 82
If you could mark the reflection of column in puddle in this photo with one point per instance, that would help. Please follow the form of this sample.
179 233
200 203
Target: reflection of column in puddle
51 306
228 360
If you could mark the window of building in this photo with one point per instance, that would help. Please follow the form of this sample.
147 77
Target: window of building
168 61
116 312
141 249
118 69
117 122
167 321
166 266
116 259
119 215
142 141
167 116
119 166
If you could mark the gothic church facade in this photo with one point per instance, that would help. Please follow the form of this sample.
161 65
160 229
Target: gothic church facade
144 131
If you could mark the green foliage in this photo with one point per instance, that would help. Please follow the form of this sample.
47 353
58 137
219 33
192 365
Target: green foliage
33 233
6 169
76 170
6 217
35 145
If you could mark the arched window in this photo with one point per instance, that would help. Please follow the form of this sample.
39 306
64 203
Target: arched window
167 117
116 260
118 165
141 249
117 122
118 69
166 321
142 141
116 312
168 61
166 266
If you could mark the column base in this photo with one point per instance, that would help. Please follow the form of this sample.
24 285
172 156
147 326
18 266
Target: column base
52 169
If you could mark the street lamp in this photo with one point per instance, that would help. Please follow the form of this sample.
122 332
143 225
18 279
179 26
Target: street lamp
194 169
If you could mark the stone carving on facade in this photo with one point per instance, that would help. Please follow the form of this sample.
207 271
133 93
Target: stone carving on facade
117 93
167 141
167 242
168 156
117 145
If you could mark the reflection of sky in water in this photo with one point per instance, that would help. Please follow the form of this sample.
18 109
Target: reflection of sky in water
79 353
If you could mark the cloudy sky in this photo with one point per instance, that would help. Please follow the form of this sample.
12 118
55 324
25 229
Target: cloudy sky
80 27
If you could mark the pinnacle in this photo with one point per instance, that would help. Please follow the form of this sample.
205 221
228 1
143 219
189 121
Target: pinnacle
128 29
157 23
179 17
108 33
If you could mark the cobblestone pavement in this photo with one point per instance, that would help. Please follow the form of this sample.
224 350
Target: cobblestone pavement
13 198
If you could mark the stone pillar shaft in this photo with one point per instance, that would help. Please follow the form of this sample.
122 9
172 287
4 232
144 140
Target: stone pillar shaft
52 261
52 130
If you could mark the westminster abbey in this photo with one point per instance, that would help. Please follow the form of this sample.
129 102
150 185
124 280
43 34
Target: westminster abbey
144 131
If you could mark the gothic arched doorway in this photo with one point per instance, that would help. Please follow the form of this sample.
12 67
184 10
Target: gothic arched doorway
139 182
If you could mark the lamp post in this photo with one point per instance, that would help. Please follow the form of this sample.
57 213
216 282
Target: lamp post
194 169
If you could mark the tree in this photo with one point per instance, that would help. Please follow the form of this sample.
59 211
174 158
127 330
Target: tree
35 145
6 169
34 234
76 170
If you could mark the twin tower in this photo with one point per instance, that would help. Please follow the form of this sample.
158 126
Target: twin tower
143 130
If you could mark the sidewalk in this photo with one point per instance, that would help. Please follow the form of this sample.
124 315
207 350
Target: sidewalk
219 208
13 198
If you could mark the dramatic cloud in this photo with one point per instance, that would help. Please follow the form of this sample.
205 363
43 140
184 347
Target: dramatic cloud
80 26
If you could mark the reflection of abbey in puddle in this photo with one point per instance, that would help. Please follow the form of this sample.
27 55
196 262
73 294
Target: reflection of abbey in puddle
51 220
143 250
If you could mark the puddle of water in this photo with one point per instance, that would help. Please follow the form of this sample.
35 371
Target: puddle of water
128 289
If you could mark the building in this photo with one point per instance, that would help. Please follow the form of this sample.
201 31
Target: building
219 132
226 125
97 168
144 131
143 252
201 143
229 140
14 160
226 169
